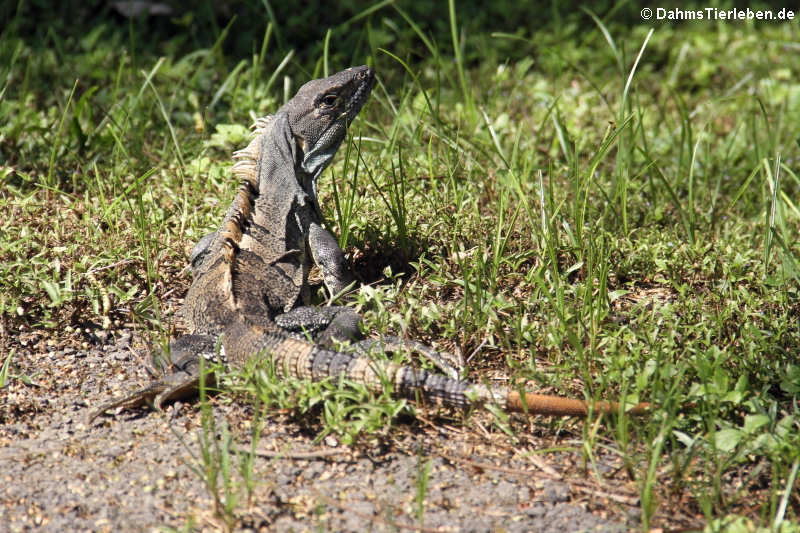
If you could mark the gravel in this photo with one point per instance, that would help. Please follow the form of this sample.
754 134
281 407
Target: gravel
137 470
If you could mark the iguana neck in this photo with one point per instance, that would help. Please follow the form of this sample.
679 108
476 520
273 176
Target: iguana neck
279 149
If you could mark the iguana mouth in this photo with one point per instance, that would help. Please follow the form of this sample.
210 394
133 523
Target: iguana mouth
367 77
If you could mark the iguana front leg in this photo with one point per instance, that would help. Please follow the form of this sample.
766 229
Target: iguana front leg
326 253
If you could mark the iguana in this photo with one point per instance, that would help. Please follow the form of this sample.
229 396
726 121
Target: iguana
251 276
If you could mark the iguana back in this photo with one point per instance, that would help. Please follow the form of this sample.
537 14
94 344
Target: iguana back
257 264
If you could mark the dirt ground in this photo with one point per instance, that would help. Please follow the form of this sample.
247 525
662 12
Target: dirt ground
133 471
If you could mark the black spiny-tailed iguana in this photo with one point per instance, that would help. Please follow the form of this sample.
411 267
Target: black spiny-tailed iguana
251 275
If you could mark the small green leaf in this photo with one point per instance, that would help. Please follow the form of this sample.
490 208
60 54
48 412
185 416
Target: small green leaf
754 422
227 135
727 439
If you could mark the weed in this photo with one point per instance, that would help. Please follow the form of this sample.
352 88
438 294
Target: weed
423 477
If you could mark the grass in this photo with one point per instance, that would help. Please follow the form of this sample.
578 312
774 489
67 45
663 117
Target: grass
606 213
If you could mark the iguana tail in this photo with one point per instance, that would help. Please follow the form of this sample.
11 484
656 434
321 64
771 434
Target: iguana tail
304 360
300 359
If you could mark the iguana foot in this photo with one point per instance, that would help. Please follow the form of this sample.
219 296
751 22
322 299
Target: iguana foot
181 380
327 254
324 325
445 362
173 387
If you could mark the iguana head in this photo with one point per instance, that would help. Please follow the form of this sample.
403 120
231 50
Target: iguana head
321 111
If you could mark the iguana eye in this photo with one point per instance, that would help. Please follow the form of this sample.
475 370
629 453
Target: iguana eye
329 100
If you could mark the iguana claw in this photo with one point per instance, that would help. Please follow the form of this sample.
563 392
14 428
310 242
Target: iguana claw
156 394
